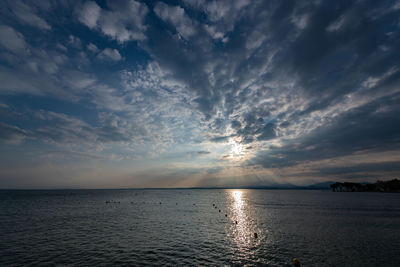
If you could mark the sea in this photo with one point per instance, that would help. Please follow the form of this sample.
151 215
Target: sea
198 227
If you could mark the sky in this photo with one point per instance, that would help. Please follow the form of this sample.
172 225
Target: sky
192 93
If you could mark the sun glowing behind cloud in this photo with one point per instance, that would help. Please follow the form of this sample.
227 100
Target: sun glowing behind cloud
237 151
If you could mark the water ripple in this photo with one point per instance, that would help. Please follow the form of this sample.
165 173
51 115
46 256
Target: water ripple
198 228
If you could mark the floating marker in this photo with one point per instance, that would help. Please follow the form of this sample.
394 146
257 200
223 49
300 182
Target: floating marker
255 235
235 222
226 215
296 262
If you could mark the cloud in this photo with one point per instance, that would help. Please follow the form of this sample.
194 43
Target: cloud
221 15
75 41
220 139
77 80
267 132
89 14
11 134
361 129
203 152
92 48
177 17
12 40
199 153
27 82
27 14
362 168
63 129
123 21
109 53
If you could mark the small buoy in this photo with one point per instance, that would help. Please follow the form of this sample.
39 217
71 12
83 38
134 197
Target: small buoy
176 203
213 204
226 215
219 210
296 262
255 235
235 222
160 203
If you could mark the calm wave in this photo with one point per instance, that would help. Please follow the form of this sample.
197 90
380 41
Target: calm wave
198 227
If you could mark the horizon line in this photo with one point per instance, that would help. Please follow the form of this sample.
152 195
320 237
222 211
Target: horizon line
309 187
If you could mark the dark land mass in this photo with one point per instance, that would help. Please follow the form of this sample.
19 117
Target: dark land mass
392 186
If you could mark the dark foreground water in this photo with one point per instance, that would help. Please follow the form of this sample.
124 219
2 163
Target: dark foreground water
182 227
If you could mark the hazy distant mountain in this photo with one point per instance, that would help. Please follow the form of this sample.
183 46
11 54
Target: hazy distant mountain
323 185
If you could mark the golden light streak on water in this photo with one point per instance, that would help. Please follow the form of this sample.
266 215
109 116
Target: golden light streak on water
242 224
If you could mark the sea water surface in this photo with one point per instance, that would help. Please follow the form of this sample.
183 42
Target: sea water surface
198 228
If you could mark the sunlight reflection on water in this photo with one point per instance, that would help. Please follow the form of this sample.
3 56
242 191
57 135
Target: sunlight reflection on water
243 226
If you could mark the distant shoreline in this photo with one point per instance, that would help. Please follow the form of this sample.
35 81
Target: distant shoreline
391 186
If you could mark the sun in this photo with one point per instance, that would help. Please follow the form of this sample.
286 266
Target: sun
236 150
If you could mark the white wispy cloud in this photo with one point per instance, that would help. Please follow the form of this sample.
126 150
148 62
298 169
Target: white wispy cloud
27 14
11 134
176 16
12 40
109 53
89 14
92 48
77 80
123 21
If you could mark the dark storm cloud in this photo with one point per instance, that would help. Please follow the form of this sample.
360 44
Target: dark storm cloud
342 44
255 128
373 127
267 132
187 65
364 167
220 139
363 171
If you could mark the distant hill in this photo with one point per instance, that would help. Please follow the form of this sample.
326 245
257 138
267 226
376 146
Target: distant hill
323 185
